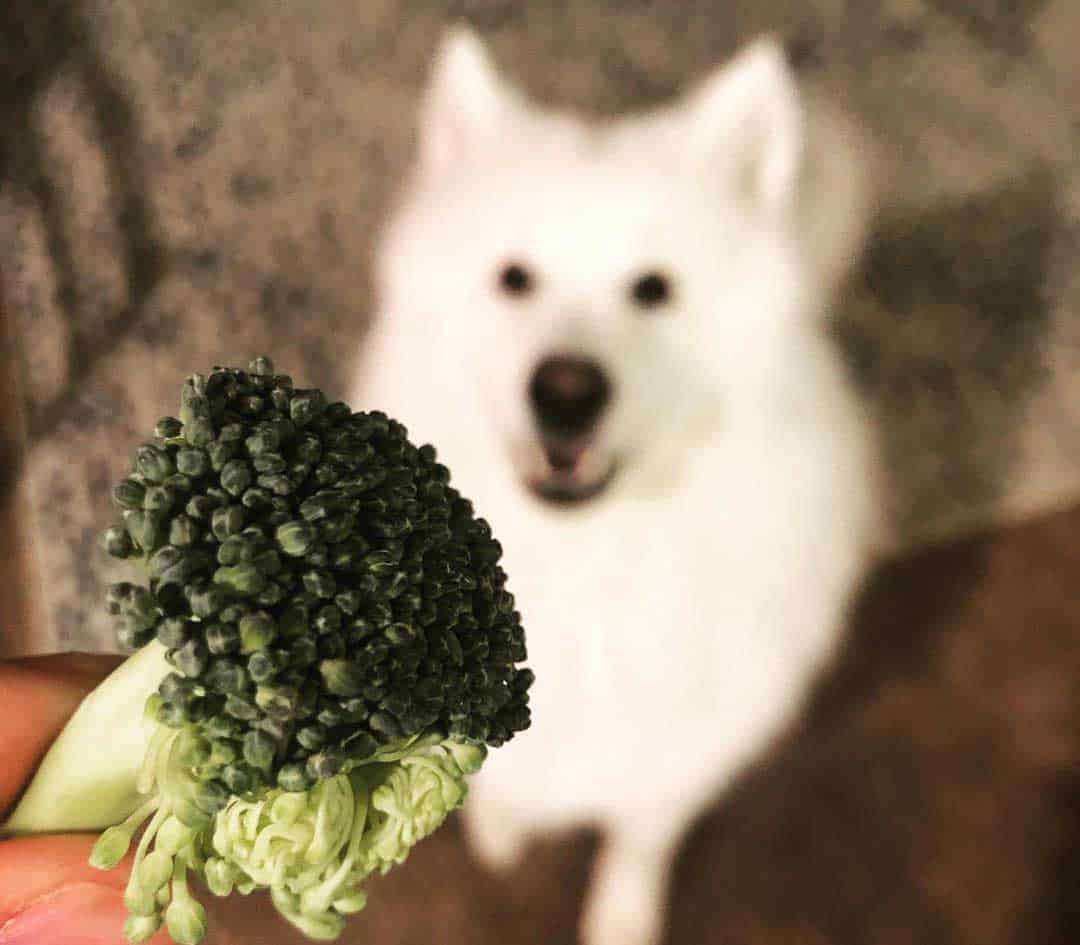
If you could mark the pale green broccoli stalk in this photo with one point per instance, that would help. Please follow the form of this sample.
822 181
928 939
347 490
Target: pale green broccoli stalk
325 650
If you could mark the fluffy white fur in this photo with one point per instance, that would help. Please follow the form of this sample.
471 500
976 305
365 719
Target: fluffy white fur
675 621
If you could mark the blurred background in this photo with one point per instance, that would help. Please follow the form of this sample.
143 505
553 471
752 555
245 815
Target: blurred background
183 184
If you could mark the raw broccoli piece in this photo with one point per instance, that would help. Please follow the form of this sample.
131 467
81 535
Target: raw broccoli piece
325 648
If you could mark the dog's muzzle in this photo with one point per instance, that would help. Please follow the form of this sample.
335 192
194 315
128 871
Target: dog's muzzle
568 396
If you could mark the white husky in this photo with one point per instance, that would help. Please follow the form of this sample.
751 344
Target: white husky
614 334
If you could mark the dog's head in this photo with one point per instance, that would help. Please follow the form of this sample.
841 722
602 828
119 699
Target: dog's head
611 286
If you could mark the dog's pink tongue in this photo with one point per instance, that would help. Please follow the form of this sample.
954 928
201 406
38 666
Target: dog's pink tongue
564 457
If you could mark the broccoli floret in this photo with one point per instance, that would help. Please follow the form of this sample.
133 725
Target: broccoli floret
339 651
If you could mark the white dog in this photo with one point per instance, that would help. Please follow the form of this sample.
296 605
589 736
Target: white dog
614 333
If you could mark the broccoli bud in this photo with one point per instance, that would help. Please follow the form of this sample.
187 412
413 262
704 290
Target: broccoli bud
342 644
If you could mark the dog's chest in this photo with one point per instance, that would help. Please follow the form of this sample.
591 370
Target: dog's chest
666 632
639 637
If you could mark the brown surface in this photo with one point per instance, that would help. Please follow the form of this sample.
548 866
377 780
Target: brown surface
16 558
932 799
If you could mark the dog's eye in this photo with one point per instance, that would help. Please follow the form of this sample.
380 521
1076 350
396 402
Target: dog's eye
515 279
651 290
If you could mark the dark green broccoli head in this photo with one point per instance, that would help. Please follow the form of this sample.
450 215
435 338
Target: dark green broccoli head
321 588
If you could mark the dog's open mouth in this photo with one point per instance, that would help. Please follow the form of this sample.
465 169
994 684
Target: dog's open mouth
568 472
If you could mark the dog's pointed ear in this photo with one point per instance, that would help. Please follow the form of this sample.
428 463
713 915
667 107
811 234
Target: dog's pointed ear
466 100
749 112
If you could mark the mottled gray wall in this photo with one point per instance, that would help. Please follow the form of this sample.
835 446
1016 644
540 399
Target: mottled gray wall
187 183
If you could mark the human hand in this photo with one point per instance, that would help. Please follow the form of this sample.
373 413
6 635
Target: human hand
49 895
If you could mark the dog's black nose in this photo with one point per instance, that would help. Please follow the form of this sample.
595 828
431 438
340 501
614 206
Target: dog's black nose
568 394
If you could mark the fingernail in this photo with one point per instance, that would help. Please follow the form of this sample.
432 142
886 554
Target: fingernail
82 914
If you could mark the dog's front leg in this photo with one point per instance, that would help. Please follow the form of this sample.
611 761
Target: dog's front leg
627 898
496 830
